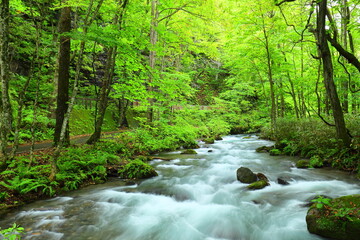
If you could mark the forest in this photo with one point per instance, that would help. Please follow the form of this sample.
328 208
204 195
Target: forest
160 75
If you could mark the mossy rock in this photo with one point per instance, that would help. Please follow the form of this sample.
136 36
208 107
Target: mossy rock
338 220
258 185
264 149
303 163
245 175
209 140
189 151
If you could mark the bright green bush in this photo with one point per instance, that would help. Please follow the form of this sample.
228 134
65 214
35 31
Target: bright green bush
79 164
12 233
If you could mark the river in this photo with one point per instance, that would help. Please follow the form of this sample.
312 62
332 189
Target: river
195 197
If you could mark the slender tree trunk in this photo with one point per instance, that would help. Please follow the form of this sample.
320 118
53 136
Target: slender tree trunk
107 80
282 100
63 74
123 105
324 50
5 105
152 56
59 146
345 18
293 95
104 95
270 78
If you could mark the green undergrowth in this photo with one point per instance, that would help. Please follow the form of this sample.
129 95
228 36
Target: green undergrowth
82 121
313 139
124 153
77 166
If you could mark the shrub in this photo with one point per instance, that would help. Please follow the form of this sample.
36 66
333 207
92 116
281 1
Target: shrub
311 138
12 233
137 169
315 162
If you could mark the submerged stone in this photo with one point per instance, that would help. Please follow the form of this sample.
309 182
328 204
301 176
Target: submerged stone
282 181
340 219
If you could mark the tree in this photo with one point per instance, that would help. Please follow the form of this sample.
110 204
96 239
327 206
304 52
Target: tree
63 72
322 39
5 105
108 76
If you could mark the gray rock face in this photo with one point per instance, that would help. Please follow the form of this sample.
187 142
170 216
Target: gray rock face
245 175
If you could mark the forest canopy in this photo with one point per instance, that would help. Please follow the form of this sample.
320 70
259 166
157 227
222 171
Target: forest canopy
252 61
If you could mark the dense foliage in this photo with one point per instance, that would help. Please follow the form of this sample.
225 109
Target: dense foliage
168 73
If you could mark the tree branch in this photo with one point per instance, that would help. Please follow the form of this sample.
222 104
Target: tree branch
351 58
283 1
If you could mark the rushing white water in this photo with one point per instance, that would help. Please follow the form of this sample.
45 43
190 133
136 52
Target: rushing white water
194 197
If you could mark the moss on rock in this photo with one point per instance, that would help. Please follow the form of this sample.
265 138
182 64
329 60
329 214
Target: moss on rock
189 151
338 220
258 185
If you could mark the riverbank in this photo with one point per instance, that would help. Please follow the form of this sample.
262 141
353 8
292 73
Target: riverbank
194 194
315 141
26 178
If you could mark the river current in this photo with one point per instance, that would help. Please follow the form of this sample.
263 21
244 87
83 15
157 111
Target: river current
195 197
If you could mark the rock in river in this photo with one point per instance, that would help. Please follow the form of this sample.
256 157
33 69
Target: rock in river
245 175
340 219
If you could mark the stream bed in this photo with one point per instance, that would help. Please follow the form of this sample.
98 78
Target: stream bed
195 197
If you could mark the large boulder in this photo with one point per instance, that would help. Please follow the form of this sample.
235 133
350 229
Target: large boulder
245 175
338 218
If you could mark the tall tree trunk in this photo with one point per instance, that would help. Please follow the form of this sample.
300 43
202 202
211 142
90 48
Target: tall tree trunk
108 78
152 56
293 95
345 18
60 144
282 100
270 78
325 55
63 74
104 95
5 105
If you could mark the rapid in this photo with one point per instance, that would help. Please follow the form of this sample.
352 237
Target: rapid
195 197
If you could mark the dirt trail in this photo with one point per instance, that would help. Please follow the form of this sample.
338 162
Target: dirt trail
79 139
